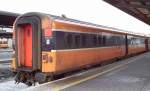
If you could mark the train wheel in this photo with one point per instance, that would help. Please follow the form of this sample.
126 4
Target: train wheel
50 78
29 83
40 77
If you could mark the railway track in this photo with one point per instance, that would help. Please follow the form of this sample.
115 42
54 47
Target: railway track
5 70
6 51
5 73
5 56
7 82
5 61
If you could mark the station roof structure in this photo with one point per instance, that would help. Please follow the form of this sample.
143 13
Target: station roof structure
6 21
7 18
140 9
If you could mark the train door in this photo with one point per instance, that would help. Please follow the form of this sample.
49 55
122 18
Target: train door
25 45
28 40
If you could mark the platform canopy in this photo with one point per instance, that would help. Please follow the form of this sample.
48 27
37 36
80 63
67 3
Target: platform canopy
137 8
7 18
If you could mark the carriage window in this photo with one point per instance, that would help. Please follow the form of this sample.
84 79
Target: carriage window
99 40
104 40
83 38
68 40
94 40
77 40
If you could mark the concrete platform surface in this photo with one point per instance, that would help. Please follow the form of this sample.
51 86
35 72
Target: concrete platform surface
132 77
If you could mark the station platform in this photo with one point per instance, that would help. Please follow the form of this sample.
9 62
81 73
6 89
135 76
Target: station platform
132 77
132 74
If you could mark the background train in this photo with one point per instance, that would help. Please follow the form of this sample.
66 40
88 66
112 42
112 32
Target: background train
47 45
4 43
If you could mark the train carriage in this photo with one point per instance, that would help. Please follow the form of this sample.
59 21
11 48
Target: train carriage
47 45
136 44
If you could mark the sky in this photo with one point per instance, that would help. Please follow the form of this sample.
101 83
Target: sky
94 11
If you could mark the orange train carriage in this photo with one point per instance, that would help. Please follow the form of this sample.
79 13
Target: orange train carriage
47 45
3 43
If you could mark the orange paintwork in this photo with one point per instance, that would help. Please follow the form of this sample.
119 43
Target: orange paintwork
72 59
80 28
49 66
135 49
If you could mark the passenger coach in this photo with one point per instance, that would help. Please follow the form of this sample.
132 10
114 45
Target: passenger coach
47 45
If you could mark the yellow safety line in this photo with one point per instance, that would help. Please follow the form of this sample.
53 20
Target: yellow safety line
88 78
